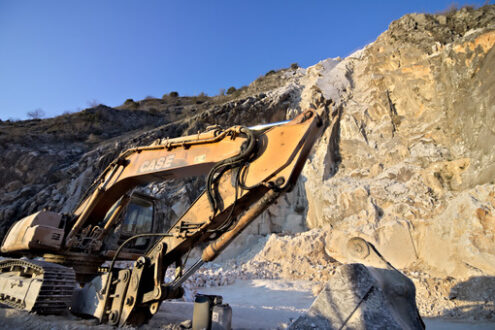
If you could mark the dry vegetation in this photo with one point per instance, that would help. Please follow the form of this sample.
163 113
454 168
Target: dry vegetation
176 107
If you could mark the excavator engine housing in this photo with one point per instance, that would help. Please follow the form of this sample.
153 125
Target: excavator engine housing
36 231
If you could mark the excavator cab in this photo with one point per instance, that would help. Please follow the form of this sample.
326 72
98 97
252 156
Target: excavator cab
141 215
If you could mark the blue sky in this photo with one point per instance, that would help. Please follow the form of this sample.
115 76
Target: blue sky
62 55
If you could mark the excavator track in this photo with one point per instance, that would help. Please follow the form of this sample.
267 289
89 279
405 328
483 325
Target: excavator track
36 286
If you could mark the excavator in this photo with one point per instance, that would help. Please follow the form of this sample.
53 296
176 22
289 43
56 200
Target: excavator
53 262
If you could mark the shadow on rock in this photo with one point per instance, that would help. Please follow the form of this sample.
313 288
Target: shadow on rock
477 289
332 156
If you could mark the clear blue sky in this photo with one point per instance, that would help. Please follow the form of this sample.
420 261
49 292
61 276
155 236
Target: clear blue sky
60 55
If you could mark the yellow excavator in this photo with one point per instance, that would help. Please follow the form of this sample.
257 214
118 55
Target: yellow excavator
70 260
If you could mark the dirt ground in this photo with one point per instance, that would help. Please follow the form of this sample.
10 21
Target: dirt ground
256 304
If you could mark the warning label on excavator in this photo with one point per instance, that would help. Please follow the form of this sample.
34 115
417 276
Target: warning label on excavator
199 159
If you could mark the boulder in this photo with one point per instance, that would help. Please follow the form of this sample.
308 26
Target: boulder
360 297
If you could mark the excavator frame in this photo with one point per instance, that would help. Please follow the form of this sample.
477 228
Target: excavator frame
247 170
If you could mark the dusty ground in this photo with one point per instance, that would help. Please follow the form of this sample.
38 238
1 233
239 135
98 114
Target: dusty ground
256 304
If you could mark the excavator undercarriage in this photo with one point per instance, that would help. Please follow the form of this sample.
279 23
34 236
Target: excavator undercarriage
36 286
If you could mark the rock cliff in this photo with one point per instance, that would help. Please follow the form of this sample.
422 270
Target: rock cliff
411 167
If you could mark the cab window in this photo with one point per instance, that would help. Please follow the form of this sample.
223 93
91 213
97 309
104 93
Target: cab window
138 219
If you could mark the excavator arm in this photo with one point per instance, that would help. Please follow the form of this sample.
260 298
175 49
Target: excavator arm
171 159
239 188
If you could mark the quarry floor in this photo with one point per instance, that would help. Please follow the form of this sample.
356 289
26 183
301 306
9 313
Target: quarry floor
256 304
